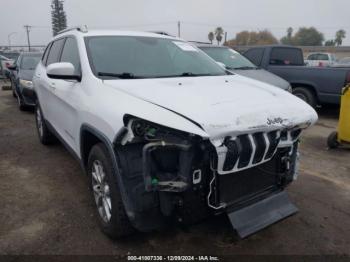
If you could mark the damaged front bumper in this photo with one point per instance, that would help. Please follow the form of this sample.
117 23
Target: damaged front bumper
170 174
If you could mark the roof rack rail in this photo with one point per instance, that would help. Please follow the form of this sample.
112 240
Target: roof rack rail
161 33
83 29
199 42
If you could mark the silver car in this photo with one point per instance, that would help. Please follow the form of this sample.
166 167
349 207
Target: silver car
237 63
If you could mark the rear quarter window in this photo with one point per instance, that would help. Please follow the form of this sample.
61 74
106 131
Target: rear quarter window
46 52
55 52
286 56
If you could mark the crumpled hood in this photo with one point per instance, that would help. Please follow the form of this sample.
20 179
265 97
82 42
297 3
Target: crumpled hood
222 105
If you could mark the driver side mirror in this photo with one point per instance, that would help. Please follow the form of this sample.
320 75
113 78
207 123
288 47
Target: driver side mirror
62 70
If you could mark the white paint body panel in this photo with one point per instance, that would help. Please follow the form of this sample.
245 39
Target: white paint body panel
221 105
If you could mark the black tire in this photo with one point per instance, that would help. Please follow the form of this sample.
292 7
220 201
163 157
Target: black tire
305 94
13 89
332 141
21 104
45 135
118 225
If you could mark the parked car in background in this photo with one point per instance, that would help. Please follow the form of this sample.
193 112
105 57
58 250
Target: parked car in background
237 63
13 56
165 133
315 85
21 78
321 59
5 62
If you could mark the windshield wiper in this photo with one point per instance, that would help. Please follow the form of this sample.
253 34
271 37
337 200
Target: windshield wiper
124 75
243 68
193 74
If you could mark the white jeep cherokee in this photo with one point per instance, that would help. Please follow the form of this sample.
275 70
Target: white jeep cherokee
164 133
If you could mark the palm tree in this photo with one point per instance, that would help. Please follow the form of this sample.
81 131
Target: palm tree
218 34
211 37
339 36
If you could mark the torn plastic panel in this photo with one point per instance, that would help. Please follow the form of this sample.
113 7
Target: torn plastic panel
164 172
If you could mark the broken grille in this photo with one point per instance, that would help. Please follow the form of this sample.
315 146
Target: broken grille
244 151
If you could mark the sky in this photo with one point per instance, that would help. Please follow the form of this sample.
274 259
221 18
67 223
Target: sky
197 17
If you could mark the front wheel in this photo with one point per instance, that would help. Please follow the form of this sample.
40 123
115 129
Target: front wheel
13 87
21 105
109 204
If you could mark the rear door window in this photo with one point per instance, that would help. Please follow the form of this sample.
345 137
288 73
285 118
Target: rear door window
322 57
286 56
312 57
55 52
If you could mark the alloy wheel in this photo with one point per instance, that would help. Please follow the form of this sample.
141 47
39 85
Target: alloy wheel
39 122
101 191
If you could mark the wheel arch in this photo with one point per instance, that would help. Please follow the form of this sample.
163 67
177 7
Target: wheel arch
89 136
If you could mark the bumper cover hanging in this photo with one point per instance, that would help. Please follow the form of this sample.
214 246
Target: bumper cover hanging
255 217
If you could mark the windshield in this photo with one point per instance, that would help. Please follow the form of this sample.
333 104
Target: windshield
4 58
12 56
147 57
230 58
30 62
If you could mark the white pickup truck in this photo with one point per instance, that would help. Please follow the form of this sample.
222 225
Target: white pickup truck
321 59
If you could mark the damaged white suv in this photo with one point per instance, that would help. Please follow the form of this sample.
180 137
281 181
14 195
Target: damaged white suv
165 134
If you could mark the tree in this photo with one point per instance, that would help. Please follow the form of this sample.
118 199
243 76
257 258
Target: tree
211 37
58 16
253 38
218 34
330 43
288 39
339 36
308 37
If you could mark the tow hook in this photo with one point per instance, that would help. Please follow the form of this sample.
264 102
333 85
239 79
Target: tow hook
286 163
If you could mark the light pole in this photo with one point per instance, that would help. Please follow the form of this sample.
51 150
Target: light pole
9 38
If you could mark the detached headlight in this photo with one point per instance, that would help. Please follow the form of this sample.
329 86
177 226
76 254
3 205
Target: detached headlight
26 83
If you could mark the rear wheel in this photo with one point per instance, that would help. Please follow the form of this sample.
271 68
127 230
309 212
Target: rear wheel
110 209
305 94
45 135
332 140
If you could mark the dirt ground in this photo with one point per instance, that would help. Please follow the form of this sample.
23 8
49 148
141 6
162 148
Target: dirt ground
45 204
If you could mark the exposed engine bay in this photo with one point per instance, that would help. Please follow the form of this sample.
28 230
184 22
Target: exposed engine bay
169 174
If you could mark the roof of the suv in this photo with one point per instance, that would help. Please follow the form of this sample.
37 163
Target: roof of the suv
114 33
